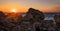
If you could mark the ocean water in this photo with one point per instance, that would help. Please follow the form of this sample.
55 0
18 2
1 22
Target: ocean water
50 16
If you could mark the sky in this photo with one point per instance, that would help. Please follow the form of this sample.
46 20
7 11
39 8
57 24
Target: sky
24 5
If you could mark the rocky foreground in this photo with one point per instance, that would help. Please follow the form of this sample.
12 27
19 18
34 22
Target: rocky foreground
32 21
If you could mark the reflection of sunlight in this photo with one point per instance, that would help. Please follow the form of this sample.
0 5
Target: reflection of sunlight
13 10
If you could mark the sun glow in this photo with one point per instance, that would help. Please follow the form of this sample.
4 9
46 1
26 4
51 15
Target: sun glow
13 10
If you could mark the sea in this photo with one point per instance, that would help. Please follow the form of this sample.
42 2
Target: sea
50 16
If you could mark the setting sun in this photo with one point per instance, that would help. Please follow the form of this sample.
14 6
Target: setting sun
13 10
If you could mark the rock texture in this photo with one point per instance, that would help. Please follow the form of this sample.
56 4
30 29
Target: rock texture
32 20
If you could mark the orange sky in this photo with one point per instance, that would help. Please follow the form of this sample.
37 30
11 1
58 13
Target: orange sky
24 5
8 8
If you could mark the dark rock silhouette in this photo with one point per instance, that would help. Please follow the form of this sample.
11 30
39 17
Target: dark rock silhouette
57 17
34 14
57 21
1 15
32 21
4 24
33 18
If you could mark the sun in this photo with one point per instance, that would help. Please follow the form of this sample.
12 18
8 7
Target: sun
13 10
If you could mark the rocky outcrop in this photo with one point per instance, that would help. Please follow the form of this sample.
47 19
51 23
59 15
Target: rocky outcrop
34 14
32 19
30 22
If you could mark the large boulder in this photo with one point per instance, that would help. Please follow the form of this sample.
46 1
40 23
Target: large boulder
33 14
36 13
32 18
